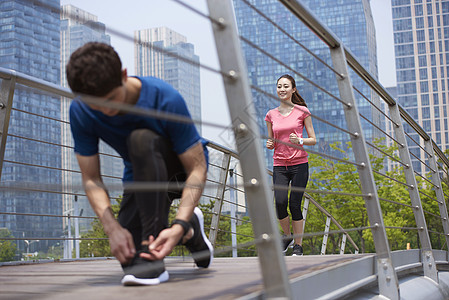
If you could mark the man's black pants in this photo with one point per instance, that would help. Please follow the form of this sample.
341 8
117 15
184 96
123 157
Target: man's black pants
145 212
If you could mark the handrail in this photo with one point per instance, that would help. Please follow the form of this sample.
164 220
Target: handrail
34 82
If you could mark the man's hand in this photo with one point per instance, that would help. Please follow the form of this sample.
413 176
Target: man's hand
122 244
164 244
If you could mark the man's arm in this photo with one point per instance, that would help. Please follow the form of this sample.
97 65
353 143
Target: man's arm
194 163
120 240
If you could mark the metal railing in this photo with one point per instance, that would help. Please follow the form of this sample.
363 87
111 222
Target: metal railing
218 184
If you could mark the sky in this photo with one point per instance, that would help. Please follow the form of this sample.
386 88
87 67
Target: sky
144 14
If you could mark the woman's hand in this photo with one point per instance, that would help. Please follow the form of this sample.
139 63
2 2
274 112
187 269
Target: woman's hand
294 139
270 144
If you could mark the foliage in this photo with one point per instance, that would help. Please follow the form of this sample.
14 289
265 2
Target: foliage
350 211
7 247
98 243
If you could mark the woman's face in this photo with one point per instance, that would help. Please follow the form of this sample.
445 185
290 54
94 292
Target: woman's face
285 89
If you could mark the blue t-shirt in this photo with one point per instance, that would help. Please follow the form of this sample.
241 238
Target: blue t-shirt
88 125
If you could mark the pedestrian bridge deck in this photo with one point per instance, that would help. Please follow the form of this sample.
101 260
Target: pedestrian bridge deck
227 278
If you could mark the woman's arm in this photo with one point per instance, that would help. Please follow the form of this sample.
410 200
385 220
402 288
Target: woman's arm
270 142
311 139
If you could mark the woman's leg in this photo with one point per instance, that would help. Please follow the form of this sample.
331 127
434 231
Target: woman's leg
299 180
285 225
298 230
280 181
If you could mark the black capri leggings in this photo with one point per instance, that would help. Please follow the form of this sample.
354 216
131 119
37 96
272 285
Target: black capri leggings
298 175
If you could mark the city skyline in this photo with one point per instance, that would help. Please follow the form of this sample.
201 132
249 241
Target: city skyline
198 31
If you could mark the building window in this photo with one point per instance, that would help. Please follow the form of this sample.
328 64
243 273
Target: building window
419 22
422 61
402 12
422 48
425 99
435 99
423 74
419 10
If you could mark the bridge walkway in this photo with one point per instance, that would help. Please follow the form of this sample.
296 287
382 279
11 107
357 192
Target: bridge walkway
228 278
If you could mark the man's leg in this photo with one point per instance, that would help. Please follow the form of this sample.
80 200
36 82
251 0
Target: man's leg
129 218
154 161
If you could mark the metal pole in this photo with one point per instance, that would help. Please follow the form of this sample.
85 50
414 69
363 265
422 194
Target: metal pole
77 228
436 180
305 209
325 236
343 244
241 108
387 278
6 98
233 201
69 235
215 222
427 258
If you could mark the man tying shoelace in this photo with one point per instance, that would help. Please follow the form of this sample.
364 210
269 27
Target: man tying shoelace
154 150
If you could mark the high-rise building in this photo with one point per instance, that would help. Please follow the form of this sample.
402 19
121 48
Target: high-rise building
421 39
183 76
29 43
77 28
350 20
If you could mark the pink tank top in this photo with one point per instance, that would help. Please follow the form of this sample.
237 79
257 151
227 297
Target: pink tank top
283 126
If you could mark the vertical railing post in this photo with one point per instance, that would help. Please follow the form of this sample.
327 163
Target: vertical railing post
326 235
6 98
436 180
387 277
77 227
404 153
233 202
343 244
213 233
305 209
241 108
68 243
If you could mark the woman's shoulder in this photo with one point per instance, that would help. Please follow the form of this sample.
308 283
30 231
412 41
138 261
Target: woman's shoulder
272 111
302 109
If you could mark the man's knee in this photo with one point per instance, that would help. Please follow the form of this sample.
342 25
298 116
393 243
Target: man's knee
142 141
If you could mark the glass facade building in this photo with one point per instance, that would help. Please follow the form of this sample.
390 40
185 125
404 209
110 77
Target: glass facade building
183 76
29 43
421 40
350 20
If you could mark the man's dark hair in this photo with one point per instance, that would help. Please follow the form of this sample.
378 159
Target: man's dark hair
94 69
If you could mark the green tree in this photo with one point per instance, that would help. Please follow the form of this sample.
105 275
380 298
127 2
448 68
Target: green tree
98 243
350 211
7 247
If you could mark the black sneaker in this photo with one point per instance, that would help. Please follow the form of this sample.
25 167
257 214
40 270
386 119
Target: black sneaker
199 245
286 243
297 250
144 272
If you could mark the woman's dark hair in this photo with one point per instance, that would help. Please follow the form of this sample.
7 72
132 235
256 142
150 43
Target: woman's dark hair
296 97
94 69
